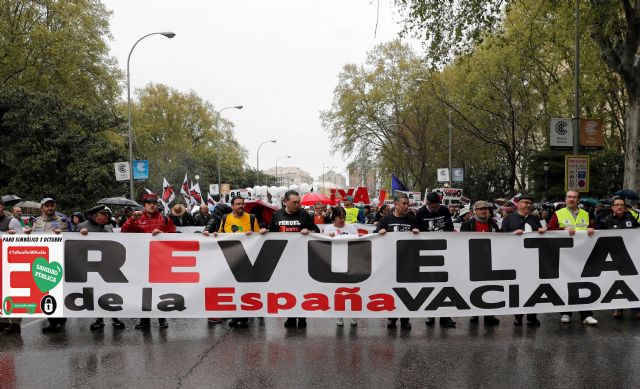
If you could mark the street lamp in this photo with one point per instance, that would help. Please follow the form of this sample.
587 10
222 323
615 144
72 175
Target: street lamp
168 34
233 106
218 149
258 160
277 159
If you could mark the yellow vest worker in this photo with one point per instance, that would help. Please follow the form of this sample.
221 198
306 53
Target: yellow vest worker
565 219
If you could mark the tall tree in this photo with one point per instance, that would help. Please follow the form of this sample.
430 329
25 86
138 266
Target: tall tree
59 87
180 132
452 28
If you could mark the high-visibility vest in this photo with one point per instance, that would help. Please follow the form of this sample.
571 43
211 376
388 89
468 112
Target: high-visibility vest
352 215
635 214
565 219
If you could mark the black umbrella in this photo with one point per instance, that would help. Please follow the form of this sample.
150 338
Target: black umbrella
10 200
118 201
628 194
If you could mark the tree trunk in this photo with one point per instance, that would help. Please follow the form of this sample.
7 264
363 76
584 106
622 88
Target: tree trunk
632 143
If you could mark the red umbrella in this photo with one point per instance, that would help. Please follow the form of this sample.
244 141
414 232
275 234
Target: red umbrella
263 210
312 198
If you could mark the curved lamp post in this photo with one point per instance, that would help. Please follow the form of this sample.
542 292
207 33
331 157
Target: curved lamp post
168 34
218 151
258 160
277 159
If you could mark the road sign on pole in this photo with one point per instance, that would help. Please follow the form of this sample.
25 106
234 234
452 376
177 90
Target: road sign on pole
576 173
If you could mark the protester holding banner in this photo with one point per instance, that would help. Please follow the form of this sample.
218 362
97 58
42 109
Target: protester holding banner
149 221
340 227
50 222
291 218
433 216
238 221
399 221
98 221
481 222
619 218
572 219
518 223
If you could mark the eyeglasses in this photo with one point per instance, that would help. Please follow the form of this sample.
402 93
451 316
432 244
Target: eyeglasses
618 205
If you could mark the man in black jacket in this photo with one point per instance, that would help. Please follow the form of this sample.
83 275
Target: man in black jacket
399 221
292 219
98 221
434 216
619 218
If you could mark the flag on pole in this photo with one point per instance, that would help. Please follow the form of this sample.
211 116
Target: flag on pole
168 194
196 194
210 201
396 184
184 190
148 191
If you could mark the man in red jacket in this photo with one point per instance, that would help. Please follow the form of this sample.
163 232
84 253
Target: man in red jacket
149 221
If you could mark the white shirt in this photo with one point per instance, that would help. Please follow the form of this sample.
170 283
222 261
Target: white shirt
348 229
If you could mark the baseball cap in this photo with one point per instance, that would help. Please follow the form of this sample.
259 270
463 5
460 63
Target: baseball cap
525 196
349 198
47 200
480 204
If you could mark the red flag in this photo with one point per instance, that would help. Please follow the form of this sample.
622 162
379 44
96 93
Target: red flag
167 192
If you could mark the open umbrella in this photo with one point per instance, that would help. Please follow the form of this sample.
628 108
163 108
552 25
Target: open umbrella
589 201
312 198
118 201
28 204
263 210
10 200
628 194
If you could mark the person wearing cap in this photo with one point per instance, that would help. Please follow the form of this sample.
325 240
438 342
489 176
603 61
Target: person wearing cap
519 222
98 221
50 222
481 222
180 217
572 218
149 221
354 215
399 221
431 217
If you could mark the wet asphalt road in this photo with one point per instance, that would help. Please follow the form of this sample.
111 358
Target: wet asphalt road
193 354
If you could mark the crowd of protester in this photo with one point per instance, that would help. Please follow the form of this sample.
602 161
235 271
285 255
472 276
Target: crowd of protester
517 216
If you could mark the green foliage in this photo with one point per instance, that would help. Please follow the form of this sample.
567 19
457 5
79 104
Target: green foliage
609 45
180 132
58 93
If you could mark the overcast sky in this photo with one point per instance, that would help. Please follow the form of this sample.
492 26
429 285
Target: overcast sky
280 59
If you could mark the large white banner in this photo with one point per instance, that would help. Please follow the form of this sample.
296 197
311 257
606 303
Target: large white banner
287 274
